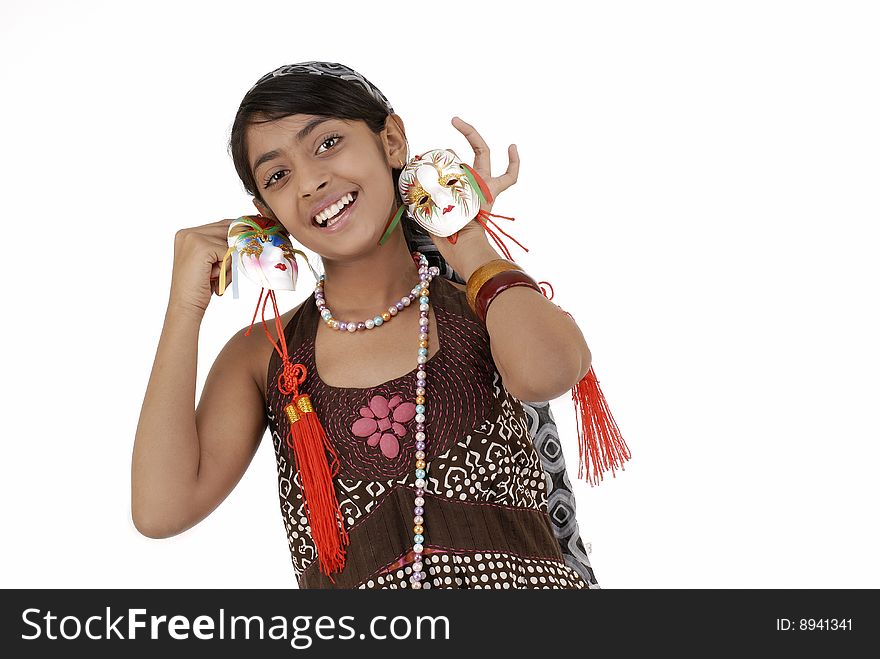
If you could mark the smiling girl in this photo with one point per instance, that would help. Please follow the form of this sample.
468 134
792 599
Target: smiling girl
403 372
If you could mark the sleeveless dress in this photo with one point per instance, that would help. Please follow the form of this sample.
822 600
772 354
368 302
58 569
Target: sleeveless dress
499 511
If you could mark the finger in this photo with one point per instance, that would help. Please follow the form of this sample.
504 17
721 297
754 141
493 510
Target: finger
212 248
217 230
482 162
509 177
222 223
215 236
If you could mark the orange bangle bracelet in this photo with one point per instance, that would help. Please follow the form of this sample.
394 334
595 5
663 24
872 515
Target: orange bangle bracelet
482 274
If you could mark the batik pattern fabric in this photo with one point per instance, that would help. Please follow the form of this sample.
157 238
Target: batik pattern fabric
499 510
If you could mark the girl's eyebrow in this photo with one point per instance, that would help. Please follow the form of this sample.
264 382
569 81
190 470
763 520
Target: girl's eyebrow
300 136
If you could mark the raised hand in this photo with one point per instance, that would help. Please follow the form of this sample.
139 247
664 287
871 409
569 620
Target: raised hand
198 253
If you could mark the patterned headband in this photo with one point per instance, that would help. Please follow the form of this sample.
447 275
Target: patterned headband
330 69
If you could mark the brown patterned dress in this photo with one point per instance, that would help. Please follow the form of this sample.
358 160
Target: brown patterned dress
497 514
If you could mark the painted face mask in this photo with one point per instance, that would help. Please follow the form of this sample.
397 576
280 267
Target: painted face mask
439 192
442 194
261 249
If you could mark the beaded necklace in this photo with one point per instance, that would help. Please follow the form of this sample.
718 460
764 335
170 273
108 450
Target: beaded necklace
422 291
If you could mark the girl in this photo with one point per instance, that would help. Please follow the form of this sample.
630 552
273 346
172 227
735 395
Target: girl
490 504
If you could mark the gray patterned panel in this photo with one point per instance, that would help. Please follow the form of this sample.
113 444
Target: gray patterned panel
561 503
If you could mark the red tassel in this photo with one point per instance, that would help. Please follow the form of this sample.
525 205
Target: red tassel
600 443
599 440
310 447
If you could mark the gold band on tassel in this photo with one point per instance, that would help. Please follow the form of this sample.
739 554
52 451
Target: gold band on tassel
482 274
292 412
295 412
305 404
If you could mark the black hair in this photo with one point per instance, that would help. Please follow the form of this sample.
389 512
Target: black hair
328 96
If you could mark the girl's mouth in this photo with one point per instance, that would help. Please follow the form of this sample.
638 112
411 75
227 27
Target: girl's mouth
340 220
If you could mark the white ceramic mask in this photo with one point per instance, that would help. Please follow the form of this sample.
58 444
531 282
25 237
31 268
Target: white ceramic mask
261 249
439 192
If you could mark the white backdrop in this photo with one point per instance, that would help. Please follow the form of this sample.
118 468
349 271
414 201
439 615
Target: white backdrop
699 182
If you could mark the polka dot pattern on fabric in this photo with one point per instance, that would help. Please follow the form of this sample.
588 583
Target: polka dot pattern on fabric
493 570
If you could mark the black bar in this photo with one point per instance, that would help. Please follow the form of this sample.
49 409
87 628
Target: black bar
323 623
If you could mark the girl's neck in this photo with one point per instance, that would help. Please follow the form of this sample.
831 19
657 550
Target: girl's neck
362 287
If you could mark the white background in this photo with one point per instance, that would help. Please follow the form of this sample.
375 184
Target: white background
699 182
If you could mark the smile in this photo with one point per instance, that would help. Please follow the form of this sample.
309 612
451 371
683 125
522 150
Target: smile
339 221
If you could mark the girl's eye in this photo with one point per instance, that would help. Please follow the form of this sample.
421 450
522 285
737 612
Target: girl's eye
269 182
452 181
330 138
272 180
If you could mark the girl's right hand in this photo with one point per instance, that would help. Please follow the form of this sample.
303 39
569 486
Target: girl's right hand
198 252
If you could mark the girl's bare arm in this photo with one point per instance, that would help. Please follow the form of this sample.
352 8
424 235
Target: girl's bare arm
185 460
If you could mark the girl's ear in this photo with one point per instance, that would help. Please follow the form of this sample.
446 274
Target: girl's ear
264 210
396 139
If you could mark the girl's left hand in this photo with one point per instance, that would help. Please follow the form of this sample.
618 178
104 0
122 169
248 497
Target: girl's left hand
482 165
473 232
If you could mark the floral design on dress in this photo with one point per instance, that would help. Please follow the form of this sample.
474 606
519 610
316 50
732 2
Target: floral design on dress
381 423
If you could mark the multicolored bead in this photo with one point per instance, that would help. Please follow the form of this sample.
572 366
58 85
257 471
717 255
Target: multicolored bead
376 321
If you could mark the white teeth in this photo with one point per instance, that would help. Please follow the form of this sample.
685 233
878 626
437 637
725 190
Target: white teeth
322 217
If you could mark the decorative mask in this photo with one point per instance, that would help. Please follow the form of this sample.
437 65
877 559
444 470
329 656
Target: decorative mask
440 192
261 248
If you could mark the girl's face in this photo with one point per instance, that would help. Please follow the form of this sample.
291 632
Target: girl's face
303 163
